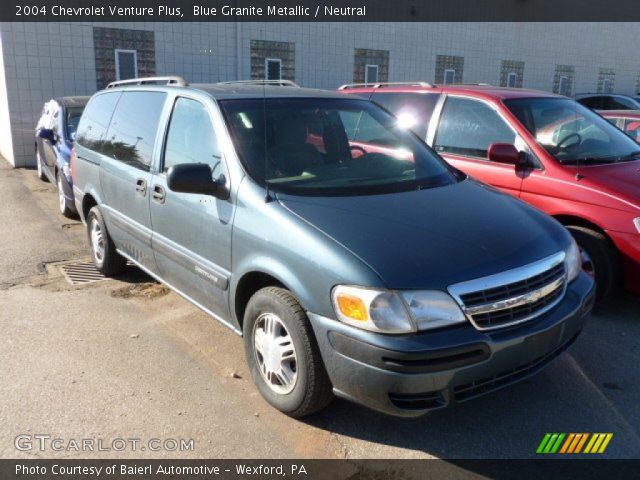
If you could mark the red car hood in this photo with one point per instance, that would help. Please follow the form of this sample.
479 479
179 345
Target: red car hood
621 180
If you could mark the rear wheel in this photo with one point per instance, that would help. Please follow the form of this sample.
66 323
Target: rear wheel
63 203
41 174
103 251
282 354
600 260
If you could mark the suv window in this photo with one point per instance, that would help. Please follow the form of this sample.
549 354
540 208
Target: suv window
413 109
619 103
468 127
191 137
595 103
133 128
95 121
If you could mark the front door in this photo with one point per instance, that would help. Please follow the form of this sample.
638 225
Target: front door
125 175
192 232
466 128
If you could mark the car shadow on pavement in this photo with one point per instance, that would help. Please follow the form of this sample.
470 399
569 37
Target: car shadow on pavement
590 388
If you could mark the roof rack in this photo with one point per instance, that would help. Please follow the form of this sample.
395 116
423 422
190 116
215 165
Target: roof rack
170 80
384 84
479 84
276 83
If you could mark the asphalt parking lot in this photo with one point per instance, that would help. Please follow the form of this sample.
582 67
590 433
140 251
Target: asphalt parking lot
126 358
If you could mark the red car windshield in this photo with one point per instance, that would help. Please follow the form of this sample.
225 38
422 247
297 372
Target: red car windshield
571 132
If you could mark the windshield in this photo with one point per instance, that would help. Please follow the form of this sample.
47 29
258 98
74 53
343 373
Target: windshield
571 132
326 146
73 117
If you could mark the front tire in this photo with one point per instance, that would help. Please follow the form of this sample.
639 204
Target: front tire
63 203
103 251
41 175
282 354
600 260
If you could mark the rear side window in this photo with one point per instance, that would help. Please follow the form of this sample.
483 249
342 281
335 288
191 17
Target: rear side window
595 103
619 103
133 128
468 127
413 109
191 137
94 123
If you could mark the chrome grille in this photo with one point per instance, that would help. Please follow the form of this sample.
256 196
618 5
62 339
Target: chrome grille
514 296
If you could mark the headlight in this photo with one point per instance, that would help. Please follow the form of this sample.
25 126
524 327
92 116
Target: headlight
572 261
636 222
390 312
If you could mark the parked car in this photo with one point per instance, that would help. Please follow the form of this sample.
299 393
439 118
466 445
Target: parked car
626 120
384 277
55 133
545 149
609 101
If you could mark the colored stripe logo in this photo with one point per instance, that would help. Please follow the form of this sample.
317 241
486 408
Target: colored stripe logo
574 443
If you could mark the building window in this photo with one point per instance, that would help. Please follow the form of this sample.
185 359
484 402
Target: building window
273 69
511 73
449 76
371 74
563 87
122 53
449 69
606 79
273 60
563 80
126 64
370 66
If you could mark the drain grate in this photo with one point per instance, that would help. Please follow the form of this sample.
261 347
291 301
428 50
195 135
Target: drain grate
81 272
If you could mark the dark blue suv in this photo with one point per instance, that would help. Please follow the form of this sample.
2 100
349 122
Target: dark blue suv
55 133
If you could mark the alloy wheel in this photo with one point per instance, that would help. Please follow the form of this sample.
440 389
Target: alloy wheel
97 240
275 353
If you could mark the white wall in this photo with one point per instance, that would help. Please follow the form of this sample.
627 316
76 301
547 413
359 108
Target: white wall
6 141
56 59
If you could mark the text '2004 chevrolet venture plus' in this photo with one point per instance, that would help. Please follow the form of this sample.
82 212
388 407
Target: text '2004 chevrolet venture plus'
350 256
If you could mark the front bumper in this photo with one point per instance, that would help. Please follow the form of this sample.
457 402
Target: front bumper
410 375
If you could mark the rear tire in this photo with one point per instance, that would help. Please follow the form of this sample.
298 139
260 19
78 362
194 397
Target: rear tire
41 175
283 355
63 203
103 251
600 260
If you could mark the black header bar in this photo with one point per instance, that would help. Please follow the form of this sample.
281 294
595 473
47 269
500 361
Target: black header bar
320 10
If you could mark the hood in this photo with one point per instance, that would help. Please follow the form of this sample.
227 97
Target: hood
433 238
620 180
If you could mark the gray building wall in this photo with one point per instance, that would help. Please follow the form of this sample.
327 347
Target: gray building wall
44 60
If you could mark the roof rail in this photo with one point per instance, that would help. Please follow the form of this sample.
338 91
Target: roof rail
170 80
276 83
479 84
384 84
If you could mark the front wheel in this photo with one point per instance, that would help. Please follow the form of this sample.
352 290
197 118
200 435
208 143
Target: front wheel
63 203
103 251
600 260
41 174
282 354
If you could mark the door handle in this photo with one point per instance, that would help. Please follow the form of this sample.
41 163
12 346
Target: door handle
158 194
141 186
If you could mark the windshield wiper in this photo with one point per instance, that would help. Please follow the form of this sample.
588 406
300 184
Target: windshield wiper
630 156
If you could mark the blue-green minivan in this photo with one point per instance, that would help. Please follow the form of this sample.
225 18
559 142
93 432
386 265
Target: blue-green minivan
352 259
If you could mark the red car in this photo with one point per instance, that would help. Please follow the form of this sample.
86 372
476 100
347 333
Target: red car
626 120
546 149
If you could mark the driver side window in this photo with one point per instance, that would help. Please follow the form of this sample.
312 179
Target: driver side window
191 137
467 127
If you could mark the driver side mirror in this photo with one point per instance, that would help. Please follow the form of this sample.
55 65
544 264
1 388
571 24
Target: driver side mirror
196 178
504 153
47 134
